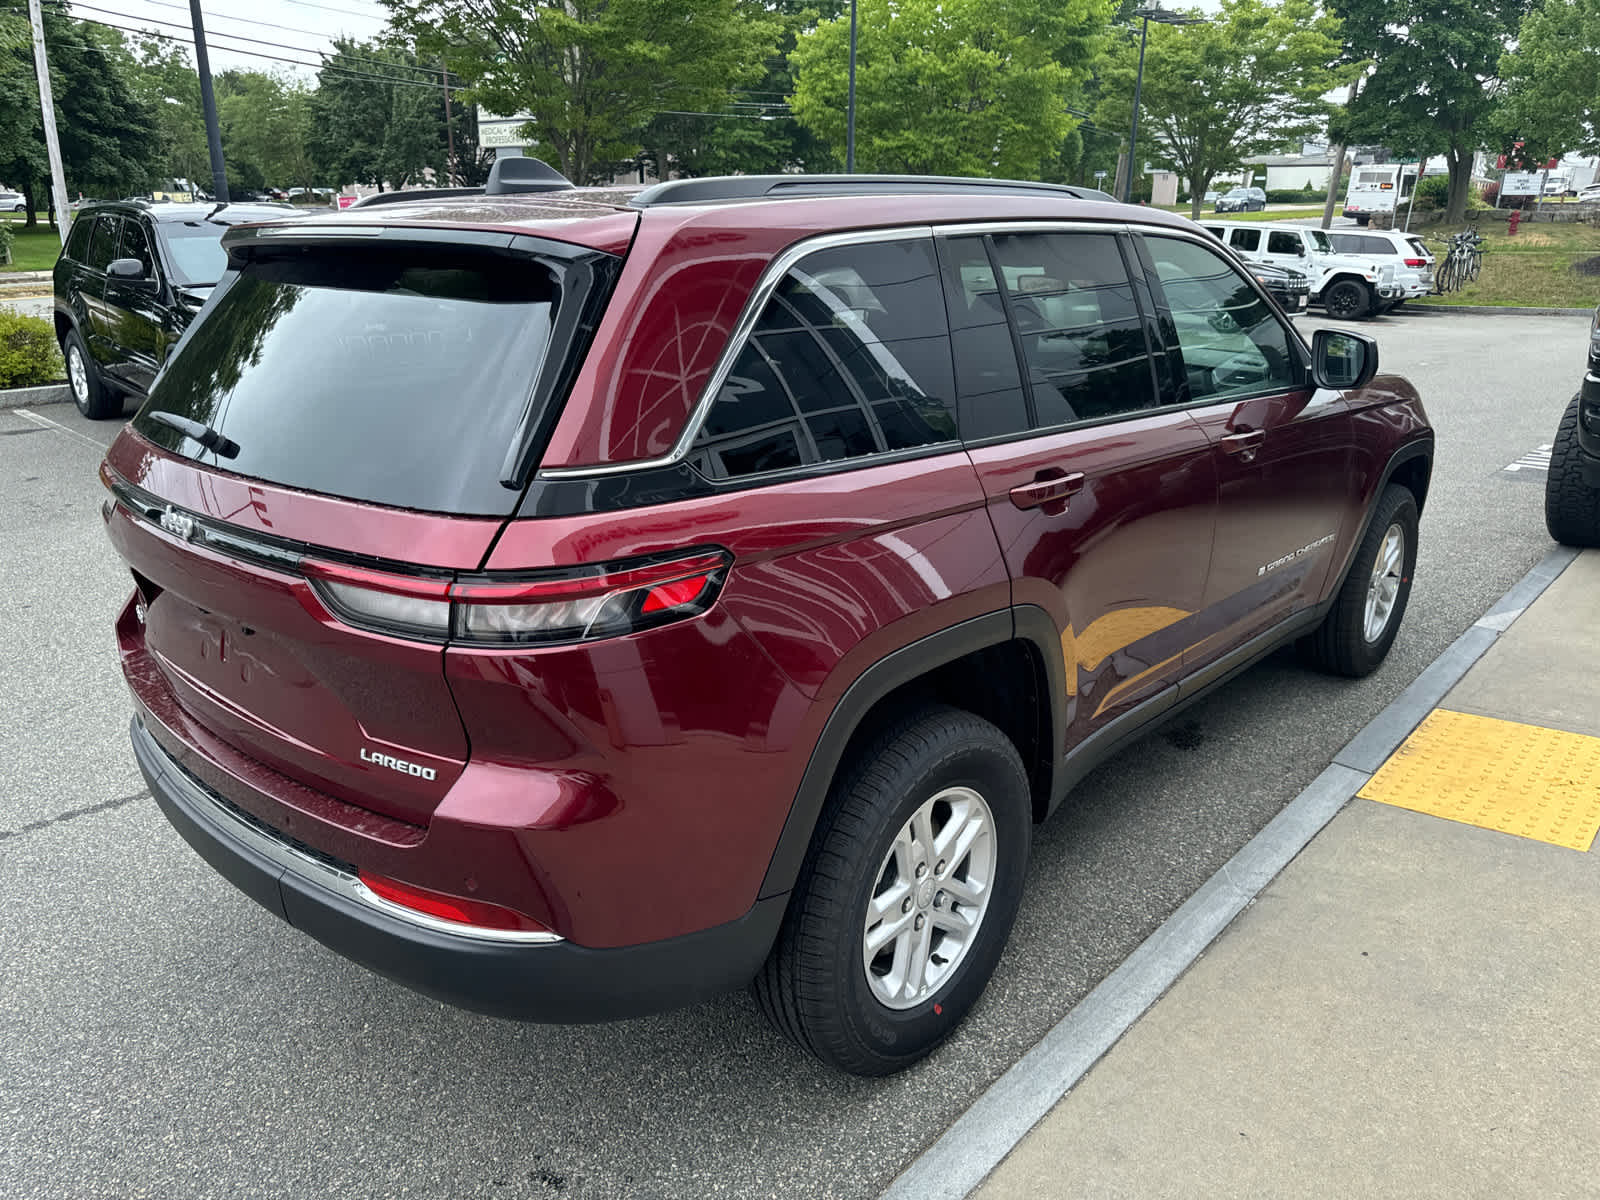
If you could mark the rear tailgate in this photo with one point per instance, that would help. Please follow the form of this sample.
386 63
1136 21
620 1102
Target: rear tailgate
345 428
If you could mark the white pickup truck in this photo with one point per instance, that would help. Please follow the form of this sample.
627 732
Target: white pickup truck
1350 286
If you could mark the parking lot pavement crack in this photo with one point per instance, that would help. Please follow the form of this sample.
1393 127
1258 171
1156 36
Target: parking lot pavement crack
72 814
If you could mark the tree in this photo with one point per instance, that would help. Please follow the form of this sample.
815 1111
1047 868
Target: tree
375 132
167 84
266 129
957 87
1250 81
593 73
1552 78
1434 86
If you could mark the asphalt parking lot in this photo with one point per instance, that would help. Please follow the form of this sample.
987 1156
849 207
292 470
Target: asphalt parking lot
165 1037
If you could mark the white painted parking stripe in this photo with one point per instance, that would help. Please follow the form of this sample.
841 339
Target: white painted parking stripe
1534 460
29 415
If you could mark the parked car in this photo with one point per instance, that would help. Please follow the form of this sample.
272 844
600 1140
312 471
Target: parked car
13 202
1289 288
127 284
1347 286
580 602
1589 192
1211 197
1242 199
1572 489
1413 261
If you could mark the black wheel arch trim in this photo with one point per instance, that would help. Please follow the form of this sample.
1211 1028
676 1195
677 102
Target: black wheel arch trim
896 669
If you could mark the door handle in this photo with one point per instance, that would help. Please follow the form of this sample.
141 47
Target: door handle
1243 444
1047 489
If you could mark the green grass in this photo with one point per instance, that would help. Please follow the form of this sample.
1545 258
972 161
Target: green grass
1531 270
34 250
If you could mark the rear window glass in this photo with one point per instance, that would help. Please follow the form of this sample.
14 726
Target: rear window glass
394 377
102 243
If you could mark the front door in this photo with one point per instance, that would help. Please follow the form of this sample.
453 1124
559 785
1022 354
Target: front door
1282 449
135 320
1102 499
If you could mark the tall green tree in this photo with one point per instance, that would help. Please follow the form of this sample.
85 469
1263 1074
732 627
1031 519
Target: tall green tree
1434 86
266 129
593 73
959 87
1552 78
377 132
1249 81
166 83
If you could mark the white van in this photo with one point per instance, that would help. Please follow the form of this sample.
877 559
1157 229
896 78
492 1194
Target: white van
1346 285
1379 188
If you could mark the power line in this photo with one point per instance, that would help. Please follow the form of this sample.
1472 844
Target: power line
349 12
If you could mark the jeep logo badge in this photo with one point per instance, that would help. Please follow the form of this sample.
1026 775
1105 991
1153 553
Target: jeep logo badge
177 523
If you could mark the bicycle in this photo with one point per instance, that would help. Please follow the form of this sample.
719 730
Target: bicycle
1462 262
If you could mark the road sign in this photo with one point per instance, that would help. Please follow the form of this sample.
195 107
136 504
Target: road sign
1520 183
502 133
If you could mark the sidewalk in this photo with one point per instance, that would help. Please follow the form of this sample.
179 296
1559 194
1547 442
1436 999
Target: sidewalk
1412 1008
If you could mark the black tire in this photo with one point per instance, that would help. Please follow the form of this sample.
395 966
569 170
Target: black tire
814 986
1571 507
1348 300
89 392
1341 645
1362 221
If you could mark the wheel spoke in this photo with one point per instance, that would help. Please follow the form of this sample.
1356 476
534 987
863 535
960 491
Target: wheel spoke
963 892
892 928
921 942
922 833
886 905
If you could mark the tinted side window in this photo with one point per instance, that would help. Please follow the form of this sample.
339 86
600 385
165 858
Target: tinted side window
988 382
78 240
102 243
136 244
850 357
1082 340
1281 241
1245 239
1231 343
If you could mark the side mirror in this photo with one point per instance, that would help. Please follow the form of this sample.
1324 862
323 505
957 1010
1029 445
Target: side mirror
129 270
1300 249
1342 360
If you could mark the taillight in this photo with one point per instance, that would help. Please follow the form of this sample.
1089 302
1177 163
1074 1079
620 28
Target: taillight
445 907
1416 262
538 609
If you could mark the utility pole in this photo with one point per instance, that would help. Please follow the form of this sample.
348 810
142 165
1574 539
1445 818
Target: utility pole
850 104
47 113
208 100
449 131
1338 164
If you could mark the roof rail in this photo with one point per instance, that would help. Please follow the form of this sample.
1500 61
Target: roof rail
783 187
522 174
415 194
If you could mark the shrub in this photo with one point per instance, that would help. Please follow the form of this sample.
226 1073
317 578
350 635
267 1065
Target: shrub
1491 194
28 353
1432 192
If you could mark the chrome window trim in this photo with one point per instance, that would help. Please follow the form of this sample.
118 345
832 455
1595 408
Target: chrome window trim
307 867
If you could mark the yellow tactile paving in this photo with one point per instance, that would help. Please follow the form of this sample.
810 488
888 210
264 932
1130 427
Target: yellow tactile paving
1519 779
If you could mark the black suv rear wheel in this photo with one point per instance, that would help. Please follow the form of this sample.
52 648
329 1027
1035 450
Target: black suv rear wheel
906 896
1571 506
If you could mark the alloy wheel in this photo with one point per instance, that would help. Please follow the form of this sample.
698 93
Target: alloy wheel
1384 586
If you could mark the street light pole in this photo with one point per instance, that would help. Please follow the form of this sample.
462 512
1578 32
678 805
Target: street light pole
208 102
850 106
1138 87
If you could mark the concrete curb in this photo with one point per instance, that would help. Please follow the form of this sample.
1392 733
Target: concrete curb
1002 1116
1413 306
31 397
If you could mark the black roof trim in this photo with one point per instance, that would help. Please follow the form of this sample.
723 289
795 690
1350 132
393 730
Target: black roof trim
415 194
785 187
515 176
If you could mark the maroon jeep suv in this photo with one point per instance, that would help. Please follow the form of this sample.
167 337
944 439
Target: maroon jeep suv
575 603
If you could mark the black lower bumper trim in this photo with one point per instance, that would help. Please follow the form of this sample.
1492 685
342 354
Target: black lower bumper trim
558 982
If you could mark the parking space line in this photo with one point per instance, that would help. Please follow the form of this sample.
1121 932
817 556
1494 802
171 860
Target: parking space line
27 414
1002 1116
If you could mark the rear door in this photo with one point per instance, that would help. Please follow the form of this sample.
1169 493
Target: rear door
320 456
1101 496
1281 449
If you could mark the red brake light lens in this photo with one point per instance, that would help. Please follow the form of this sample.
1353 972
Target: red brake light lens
446 907
545 609
1416 262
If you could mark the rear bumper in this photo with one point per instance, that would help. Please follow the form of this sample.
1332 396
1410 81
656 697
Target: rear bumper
537 977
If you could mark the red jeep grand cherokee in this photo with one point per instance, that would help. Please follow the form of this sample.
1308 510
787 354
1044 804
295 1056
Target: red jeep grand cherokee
573 604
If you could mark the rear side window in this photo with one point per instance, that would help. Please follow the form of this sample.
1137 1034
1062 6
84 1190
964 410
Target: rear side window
1081 334
1245 239
1231 343
78 240
849 358
396 377
102 243
136 244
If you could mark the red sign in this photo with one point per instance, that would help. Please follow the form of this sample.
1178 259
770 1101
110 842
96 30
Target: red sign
346 201
1551 165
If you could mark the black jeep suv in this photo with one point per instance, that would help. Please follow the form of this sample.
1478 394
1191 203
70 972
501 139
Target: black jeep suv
1572 490
128 282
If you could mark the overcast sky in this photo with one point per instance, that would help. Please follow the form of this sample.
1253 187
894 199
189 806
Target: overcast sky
299 30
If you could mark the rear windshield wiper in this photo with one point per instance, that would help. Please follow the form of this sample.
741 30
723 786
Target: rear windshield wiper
204 434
